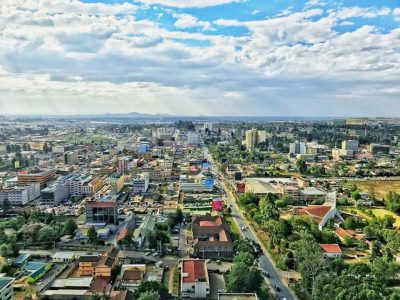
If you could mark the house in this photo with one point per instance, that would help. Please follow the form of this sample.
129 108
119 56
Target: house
331 250
6 289
211 237
132 275
194 279
63 257
98 265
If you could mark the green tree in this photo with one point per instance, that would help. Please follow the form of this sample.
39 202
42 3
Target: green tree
70 227
269 209
47 234
92 235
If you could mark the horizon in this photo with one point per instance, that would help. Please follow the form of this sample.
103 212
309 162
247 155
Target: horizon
200 57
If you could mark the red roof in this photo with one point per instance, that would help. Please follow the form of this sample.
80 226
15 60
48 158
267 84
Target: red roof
317 211
207 223
100 284
196 269
330 248
102 204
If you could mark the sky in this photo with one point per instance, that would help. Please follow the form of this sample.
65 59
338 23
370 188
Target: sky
201 57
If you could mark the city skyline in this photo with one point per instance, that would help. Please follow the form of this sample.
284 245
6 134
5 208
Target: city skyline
198 57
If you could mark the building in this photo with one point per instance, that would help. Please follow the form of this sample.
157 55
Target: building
331 250
123 164
6 289
350 145
251 139
55 193
211 237
193 138
20 195
77 181
71 158
140 184
98 265
36 176
132 276
194 279
57 149
338 154
320 213
297 148
312 194
102 212
379 149
63 257
195 184
208 126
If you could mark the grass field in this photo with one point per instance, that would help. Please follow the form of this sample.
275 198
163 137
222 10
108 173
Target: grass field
378 212
379 188
381 212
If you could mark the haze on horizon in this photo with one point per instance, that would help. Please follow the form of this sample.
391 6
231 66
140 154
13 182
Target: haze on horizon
200 57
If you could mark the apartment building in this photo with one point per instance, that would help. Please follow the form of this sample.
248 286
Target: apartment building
140 184
102 212
55 193
98 265
6 289
20 195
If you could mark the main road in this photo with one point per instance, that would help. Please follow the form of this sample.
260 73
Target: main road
265 261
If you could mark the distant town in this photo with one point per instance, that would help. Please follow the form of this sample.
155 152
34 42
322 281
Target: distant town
162 207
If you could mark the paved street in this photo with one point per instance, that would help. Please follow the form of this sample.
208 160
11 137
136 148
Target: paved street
265 262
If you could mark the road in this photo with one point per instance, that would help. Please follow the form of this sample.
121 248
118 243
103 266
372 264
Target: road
265 261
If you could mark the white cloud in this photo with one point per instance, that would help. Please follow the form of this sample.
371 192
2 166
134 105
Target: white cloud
69 56
396 14
369 12
188 21
190 3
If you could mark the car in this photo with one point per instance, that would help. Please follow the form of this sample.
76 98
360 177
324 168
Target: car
148 253
221 291
278 289
155 254
266 274
218 262
208 260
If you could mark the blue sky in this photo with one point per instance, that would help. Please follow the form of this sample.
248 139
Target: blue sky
213 57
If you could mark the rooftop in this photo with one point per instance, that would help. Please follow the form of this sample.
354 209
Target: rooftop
194 270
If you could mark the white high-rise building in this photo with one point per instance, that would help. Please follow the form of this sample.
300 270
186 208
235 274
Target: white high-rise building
297 148
193 138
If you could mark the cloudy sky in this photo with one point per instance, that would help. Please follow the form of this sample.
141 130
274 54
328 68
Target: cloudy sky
191 57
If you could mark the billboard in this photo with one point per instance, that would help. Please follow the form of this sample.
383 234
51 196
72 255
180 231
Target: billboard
240 187
209 183
217 204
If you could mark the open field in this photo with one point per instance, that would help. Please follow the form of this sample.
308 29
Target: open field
379 188
381 212
378 212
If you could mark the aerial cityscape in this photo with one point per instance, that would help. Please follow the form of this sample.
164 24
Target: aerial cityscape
199 149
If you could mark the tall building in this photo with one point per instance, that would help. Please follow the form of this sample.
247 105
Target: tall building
251 139
350 145
71 158
140 184
297 148
102 212
255 137
208 126
123 163
55 193
193 138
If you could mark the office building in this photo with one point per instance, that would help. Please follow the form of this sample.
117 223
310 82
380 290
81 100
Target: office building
208 126
255 137
297 148
55 193
193 138
103 212
379 149
140 184
20 195
350 145
123 164
35 176
71 158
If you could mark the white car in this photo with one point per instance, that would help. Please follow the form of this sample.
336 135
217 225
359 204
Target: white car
221 291
208 261
155 254
148 253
